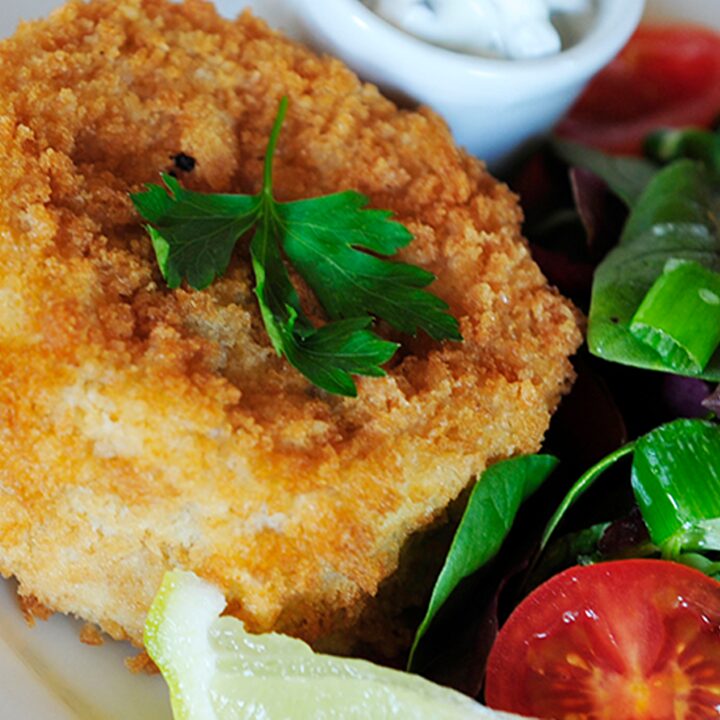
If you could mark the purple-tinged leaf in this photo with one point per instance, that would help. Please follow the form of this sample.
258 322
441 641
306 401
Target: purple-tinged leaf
601 213
684 397
571 277
624 534
590 194
588 424
712 402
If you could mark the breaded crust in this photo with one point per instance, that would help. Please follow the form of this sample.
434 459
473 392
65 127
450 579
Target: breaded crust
143 429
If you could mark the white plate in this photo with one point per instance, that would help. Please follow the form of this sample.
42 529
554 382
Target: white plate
46 673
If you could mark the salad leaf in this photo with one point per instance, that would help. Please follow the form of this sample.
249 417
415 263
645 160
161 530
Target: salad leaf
675 219
488 518
592 199
336 244
676 483
668 145
627 177
586 481
626 537
577 548
676 480
685 397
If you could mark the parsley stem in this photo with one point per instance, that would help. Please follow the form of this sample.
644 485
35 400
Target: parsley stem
272 146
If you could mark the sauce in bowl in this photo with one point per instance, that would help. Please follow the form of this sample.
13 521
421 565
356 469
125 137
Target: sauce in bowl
508 29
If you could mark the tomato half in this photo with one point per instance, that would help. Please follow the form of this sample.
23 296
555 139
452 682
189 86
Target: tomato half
667 76
625 640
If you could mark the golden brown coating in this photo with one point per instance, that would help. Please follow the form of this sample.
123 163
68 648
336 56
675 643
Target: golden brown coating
142 429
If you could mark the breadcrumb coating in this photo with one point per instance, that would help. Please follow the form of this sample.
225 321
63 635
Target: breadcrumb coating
143 429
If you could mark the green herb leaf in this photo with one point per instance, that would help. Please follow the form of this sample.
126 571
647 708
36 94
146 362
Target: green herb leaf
333 242
486 522
194 234
328 357
627 177
680 316
324 239
676 480
676 218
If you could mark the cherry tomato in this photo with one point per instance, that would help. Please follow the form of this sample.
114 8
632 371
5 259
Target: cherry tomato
625 640
667 76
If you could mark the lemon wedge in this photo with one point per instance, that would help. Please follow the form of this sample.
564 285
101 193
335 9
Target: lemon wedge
217 671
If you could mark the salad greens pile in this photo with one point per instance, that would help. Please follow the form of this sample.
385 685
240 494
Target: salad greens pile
656 294
654 304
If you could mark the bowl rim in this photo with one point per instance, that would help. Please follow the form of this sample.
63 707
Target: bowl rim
366 37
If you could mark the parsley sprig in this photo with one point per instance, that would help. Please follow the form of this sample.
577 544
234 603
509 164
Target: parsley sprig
334 243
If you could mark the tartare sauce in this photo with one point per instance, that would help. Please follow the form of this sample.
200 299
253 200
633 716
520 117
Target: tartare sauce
512 29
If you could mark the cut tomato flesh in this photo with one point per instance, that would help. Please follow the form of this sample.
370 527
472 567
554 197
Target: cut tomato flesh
667 76
627 640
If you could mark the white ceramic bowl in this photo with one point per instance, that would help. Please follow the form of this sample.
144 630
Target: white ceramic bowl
492 106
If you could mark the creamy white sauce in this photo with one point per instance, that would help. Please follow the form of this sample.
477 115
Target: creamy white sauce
512 29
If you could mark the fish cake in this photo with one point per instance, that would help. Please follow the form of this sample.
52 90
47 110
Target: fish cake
144 429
